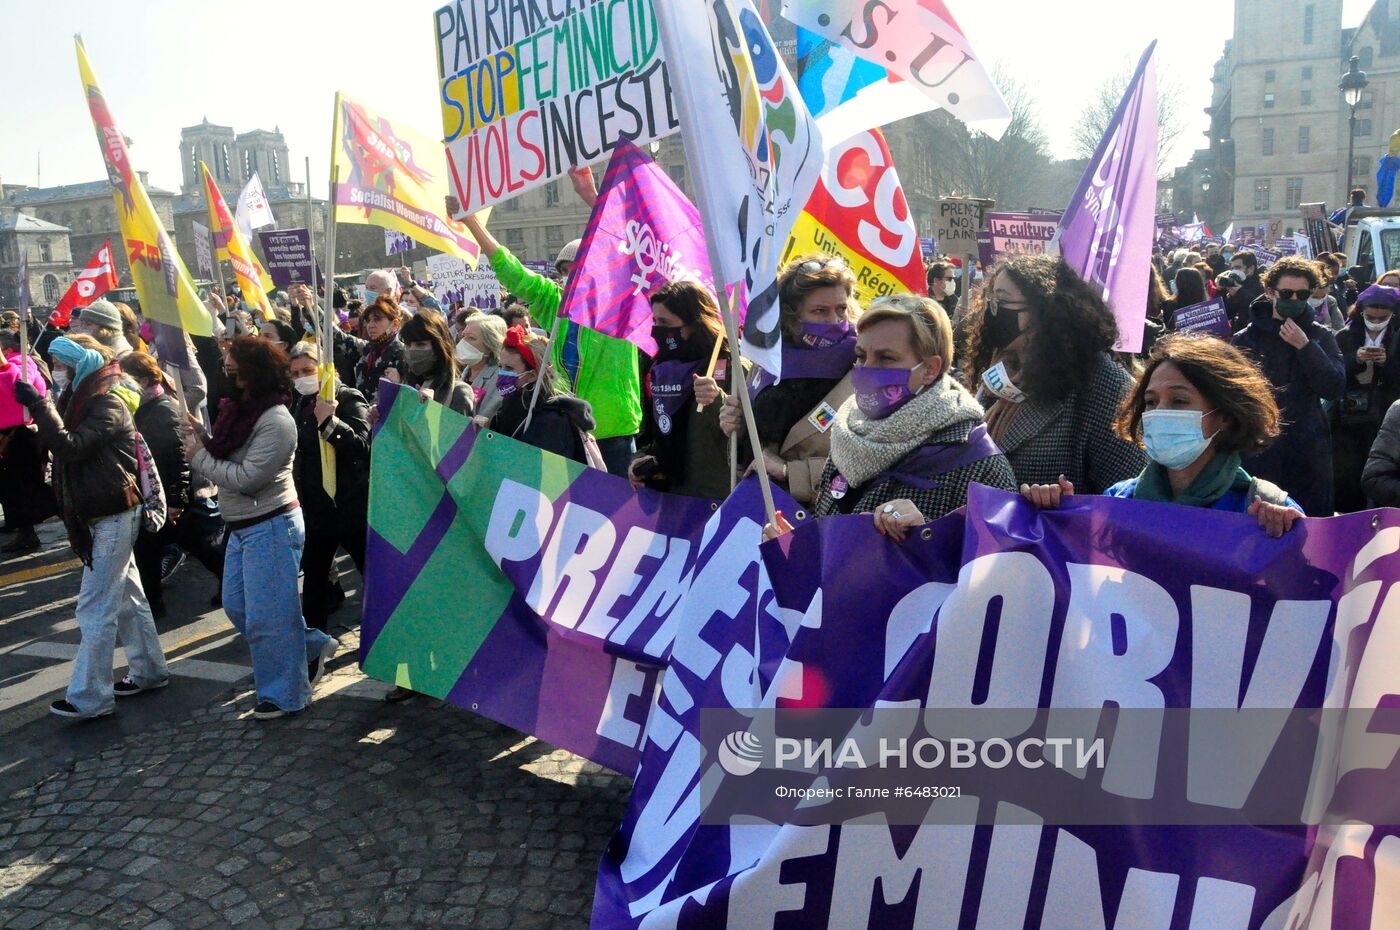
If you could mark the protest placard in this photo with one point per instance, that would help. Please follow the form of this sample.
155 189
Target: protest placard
1207 317
396 242
1321 237
449 277
1019 233
526 98
288 254
959 219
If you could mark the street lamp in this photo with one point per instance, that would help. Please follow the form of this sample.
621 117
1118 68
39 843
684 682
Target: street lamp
1351 86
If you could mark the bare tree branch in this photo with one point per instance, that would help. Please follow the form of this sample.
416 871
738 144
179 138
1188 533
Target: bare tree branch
1103 103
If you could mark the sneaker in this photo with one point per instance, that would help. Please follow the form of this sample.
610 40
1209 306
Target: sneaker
65 709
316 668
399 694
266 710
126 687
170 563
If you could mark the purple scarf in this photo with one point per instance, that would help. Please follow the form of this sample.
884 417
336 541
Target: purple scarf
799 361
672 387
920 467
236 421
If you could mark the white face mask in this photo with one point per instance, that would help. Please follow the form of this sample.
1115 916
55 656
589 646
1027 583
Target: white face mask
950 288
1374 328
467 353
1316 302
307 384
60 378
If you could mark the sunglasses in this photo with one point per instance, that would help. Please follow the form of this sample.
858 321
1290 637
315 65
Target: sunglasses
1287 294
814 265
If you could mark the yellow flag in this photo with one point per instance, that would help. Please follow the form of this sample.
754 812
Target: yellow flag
163 284
391 175
327 393
229 243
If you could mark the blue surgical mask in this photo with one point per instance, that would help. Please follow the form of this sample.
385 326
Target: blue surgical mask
1174 438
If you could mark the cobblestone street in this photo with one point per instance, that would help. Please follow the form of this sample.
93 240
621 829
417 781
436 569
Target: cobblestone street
355 813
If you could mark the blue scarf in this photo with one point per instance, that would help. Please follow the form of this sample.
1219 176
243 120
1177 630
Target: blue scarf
83 361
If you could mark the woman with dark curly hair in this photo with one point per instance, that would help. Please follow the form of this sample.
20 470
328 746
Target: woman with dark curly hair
1199 406
250 458
1040 363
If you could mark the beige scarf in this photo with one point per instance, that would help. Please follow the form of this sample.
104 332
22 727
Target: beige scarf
862 448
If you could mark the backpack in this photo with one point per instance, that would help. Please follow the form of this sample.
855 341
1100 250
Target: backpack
152 491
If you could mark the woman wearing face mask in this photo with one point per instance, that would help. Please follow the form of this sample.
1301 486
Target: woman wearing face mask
1190 290
331 523
280 334
909 441
1368 347
1040 364
1199 406
250 458
432 367
1300 358
684 450
381 352
943 286
479 352
559 419
1324 306
816 304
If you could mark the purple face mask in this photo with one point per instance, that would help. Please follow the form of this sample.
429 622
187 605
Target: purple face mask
507 382
882 391
824 335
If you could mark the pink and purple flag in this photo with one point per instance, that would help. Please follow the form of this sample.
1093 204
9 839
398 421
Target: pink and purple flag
1107 230
643 233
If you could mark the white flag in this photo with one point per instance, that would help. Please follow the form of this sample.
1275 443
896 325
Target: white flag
253 210
753 148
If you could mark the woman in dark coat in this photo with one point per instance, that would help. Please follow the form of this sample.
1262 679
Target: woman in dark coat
331 523
381 352
432 364
1370 352
559 419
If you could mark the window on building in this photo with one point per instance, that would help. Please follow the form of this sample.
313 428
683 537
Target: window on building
1304 139
247 164
6 251
1308 24
1367 56
1361 167
45 251
1269 76
50 289
511 206
515 241
1295 193
1368 100
1307 73
1305 98
1268 142
1268 101
194 162
276 167
1363 128
551 194
1261 194
225 172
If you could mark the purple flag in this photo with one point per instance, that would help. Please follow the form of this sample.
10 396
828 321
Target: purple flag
1107 230
643 233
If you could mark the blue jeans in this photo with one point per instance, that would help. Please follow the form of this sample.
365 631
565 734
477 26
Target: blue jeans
617 452
112 606
261 600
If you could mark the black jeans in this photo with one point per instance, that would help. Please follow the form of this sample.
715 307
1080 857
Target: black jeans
323 538
199 532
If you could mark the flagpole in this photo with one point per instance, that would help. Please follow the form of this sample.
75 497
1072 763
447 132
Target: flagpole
327 347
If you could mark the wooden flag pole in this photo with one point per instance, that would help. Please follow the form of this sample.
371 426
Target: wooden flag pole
736 369
710 371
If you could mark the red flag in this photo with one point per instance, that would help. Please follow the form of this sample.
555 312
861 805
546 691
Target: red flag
92 282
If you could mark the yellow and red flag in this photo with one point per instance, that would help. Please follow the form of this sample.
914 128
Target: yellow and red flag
253 281
858 212
162 282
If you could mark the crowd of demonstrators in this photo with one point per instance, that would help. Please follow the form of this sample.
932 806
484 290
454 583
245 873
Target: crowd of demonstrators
25 495
1368 347
684 450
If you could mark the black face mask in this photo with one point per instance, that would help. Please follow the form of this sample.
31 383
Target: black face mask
1000 329
671 344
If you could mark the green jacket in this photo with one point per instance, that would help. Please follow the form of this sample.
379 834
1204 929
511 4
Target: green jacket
608 377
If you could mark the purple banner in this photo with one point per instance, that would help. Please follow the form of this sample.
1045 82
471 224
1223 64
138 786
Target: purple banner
1107 230
1208 317
289 258
643 233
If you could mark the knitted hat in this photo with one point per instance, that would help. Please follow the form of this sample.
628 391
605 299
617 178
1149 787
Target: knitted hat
567 253
102 313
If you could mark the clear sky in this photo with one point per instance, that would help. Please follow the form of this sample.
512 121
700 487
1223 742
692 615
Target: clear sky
256 64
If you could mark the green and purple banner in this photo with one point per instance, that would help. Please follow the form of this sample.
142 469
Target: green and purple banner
554 599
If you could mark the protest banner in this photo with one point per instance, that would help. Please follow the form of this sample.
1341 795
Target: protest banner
99 277
928 246
527 97
1206 317
1266 256
1107 230
385 173
203 251
252 211
253 280
1167 221
959 220
396 242
612 623
858 212
918 42
289 258
162 282
1019 233
449 277
643 233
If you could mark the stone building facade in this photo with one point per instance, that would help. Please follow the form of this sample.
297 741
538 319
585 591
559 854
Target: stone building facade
50 257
